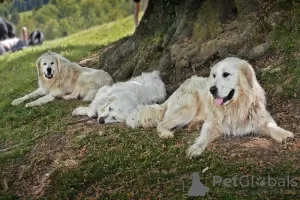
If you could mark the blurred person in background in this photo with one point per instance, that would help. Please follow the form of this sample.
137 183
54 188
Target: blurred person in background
136 12
15 44
6 30
137 6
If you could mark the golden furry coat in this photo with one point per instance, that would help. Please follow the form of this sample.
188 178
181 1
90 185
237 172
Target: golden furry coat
60 78
230 102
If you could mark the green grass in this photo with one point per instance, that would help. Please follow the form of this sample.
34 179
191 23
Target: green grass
26 14
286 41
122 163
18 77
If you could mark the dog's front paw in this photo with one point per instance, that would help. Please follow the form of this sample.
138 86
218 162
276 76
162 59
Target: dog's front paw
194 150
69 97
76 111
287 134
79 111
28 105
17 101
66 97
283 135
166 135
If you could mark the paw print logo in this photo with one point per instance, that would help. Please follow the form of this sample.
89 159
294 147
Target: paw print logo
260 181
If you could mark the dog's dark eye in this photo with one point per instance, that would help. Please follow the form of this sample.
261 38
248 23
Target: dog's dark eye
110 109
214 75
52 63
45 63
225 74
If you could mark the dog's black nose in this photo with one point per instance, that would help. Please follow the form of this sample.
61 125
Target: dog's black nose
213 90
49 70
101 120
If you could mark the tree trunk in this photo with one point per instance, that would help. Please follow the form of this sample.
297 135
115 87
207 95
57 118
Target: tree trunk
180 38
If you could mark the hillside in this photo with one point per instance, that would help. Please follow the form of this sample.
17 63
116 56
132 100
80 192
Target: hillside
61 18
18 76
54 160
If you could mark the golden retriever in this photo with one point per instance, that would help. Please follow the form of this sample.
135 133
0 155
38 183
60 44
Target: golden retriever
60 78
230 102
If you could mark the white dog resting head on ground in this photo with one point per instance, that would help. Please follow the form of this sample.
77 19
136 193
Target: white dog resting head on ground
60 78
116 110
230 102
114 103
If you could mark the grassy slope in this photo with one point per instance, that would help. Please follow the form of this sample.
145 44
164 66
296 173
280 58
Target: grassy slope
18 72
26 14
18 77
122 163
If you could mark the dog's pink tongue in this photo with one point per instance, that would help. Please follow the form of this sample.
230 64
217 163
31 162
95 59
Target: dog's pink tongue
218 101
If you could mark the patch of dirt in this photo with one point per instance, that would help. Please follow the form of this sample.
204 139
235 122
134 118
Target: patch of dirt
257 142
49 154
264 151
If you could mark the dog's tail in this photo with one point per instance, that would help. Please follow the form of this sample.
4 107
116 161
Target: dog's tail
146 116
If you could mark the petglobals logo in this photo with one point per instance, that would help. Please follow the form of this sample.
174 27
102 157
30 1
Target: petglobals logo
197 188
254 181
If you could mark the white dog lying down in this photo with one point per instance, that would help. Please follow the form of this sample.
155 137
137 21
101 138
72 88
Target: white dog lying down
230 102
60 78
182 107
114 103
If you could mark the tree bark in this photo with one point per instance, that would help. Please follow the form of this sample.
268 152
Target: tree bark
181 38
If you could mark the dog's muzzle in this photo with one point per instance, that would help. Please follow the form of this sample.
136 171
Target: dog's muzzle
229 96
49 73
214 91
48 76
221 101
101 120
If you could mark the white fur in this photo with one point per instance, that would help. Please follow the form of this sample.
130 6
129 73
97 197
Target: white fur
243 114
114 103
60 78
181 108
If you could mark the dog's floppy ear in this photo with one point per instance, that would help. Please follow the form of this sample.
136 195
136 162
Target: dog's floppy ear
38 64
58 63
247 73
